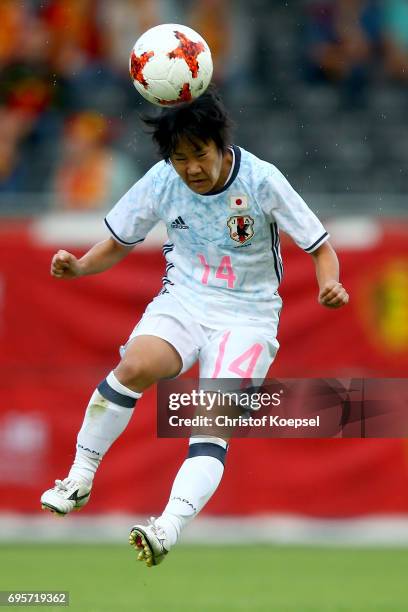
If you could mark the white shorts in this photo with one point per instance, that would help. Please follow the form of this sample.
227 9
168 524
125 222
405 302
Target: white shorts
237 352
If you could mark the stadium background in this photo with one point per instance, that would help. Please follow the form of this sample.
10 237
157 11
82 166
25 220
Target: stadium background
319 89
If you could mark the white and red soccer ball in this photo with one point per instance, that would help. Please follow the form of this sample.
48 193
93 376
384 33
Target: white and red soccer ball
170 64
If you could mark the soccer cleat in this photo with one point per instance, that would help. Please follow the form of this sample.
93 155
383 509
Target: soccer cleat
67 495
150 541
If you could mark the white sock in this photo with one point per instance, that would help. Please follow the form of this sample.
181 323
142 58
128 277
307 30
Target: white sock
196 481
107 415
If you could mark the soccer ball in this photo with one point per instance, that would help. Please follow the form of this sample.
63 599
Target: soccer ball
170 64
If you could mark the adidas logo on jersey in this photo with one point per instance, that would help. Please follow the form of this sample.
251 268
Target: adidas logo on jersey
179 224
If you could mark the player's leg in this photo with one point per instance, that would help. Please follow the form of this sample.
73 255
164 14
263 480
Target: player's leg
146 359
239 353
195 482
161 345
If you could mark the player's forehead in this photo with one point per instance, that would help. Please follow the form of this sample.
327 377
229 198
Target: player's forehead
186 145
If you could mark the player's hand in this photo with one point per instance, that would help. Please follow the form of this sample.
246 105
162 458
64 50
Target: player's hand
65 265
333 295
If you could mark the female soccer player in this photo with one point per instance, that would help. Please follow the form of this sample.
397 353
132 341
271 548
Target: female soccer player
223 208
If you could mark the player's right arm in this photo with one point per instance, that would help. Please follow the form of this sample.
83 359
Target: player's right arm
129 222
99 258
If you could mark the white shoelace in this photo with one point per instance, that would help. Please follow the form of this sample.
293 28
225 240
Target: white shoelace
63 485
159 531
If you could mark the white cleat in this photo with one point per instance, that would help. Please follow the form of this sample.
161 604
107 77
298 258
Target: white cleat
67 495
150 540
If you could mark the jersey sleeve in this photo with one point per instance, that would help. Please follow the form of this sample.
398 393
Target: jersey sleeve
130 220
284 206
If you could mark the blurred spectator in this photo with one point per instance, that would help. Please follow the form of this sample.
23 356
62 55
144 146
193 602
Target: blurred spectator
27 84
75 21
123 21
77 55
12 28
91 174
343 38
29 89
13 168
212 19
396 39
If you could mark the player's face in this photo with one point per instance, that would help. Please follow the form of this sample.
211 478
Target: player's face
201 165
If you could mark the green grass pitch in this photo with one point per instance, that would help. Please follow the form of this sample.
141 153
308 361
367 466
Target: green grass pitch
212 579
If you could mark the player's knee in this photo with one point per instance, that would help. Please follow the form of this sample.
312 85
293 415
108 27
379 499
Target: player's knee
135 374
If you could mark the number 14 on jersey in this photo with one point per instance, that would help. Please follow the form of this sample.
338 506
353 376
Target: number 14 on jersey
223 272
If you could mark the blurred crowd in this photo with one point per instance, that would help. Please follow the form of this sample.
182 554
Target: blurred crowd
66 97
353 42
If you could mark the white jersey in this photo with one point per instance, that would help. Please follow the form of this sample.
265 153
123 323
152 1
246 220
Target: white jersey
223 255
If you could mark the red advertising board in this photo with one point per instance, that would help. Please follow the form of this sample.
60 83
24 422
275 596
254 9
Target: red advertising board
59 339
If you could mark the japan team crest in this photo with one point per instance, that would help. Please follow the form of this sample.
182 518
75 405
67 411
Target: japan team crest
241 228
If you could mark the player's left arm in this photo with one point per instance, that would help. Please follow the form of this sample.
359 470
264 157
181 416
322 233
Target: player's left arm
332 294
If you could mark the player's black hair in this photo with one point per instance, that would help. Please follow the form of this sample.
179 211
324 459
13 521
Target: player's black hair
205 119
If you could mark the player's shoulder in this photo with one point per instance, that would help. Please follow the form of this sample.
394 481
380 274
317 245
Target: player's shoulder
161 176
256 170
159 172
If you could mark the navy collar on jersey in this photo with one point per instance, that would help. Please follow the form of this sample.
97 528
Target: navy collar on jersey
233 176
